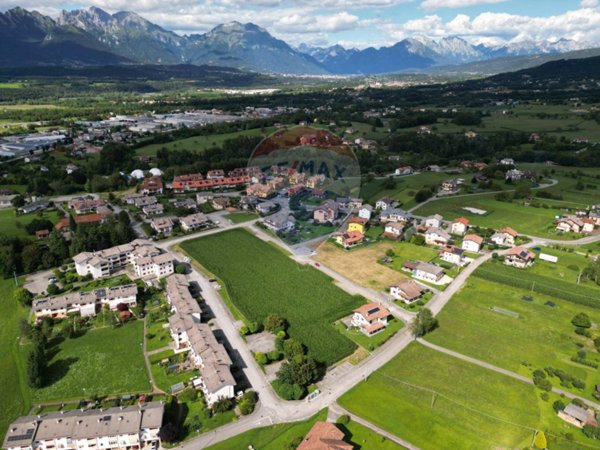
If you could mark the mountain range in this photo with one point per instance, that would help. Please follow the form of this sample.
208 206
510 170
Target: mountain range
94 37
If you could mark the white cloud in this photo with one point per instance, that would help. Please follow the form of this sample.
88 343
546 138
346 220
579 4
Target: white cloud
437 4
589 3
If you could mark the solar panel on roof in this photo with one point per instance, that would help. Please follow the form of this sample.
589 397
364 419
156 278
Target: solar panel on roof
28 434
107 418
373 311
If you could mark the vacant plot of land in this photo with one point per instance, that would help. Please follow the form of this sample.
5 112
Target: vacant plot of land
566 269
13 225
261 280
14 396
404 190
199 143
541 336
436 401
361 265
103 362
524 219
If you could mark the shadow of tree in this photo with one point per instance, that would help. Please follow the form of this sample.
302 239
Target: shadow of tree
58 369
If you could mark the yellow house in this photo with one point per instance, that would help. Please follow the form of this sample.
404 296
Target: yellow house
357 224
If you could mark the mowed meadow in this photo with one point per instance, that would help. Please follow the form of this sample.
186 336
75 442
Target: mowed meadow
261 280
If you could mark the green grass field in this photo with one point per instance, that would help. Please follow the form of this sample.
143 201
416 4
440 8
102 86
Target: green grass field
103 361
241 217
404 190
199 143
524 219
14 226
11 85
436 401
278 437
15 397
541 336
262 280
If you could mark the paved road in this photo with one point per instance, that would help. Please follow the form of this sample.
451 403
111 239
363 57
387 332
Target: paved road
502 371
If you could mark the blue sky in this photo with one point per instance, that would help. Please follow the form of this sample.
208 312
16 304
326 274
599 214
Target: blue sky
364 23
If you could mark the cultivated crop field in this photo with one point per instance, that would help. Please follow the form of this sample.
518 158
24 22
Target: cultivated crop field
524 219
541 336
103 362
261 280
437 401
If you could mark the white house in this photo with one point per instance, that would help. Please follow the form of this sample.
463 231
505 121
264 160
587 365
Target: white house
436 236
365 212
428 272
453 255
370 318
519 257
459 226
472 243
393 229
385 203
408 291
194 222
504 237
434 221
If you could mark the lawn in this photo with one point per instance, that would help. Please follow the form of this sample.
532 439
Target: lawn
404 190
524 219
277 437
101 362
262 280
15 398
14 226
200 143
241 217
362 266
371 342
436 401
541 336
162 377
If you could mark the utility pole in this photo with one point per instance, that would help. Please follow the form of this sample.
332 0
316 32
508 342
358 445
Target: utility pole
16 279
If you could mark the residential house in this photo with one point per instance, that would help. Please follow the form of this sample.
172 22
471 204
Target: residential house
385 203
395 215
507 162
85 205
449 186
470 134
327 212
343 203
117 428
578 416
355 203
315 181
185 203
215 174
194 222
220 203
514 175
32 207
436 236
365 212
204 197
393 230
194 182
349 239
280 222
504 237
324 436
357 224
64 224
453 255
404 170
428 272
519 257
435 221
472 243
130 199
408 291
163 225
142 201
85 303
265 207
574 224
459 226
260 190
71 168
153 210
370 318
6 200
297 178
152 185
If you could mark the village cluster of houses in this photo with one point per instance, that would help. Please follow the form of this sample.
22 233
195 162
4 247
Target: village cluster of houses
191 335
583 221
148 261
117 428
